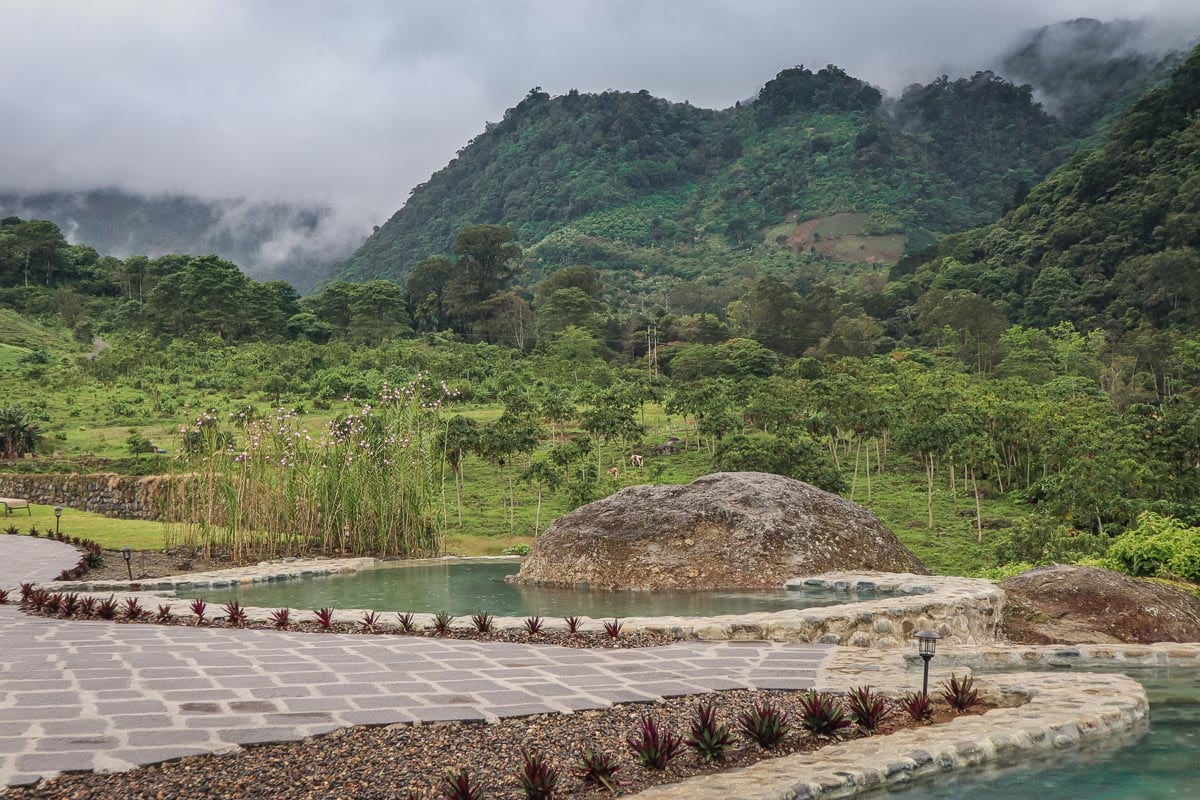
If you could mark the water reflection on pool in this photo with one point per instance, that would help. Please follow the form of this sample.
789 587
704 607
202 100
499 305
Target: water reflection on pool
464 587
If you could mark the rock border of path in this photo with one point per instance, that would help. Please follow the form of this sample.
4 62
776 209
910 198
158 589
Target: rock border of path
1056 711
962 610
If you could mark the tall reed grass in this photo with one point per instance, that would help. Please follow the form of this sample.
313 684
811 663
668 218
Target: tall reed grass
370 485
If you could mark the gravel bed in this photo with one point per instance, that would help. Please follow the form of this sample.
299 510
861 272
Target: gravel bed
147 564
411 761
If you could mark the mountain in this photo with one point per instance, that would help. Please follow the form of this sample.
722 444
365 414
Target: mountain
816 167
1110 240
271 241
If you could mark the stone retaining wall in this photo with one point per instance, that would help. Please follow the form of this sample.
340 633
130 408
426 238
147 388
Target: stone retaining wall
112 495
965 611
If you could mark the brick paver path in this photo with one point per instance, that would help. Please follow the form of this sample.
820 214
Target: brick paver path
97 695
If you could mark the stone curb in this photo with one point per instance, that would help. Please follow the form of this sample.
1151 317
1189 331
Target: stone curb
1064 711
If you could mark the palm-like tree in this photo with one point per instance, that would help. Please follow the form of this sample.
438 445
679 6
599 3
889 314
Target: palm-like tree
19 432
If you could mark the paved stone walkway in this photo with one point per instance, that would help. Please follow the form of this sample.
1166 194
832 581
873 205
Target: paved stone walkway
104 696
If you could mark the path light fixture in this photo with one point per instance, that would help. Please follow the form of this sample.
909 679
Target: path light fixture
57 518
127 554
926 647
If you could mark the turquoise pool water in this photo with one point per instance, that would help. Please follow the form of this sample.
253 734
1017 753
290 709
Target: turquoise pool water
463 588
1160 762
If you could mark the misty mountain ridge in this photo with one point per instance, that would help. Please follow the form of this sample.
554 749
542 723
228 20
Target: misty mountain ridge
612 179
269 240
1085 70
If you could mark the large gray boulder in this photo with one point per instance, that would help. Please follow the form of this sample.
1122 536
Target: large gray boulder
728 530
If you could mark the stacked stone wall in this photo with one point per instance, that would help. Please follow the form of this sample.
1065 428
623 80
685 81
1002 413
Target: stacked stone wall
120 496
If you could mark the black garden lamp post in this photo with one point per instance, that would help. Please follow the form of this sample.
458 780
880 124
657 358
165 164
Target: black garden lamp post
926 647
127 554
57 518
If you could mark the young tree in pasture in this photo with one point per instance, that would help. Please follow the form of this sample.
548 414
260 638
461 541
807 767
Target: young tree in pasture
460 437
542 476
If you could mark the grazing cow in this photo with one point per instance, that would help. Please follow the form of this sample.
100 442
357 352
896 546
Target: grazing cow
636 460
612 473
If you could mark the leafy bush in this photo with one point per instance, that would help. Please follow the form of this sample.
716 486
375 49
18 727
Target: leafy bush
598 768
918 706
1158 546
517 550
539 778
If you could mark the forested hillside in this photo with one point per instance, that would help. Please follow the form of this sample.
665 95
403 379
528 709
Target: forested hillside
1111 240
591 175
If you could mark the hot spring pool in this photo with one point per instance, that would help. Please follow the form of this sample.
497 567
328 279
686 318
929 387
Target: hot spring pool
465 587
1160 765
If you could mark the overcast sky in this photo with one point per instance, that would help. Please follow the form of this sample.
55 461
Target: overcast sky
353 103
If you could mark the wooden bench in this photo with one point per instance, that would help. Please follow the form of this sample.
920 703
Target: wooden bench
12 502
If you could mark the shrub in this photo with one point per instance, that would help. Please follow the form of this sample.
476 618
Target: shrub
868 710
533 625
281 619
573 624
164 613
370 621
655 747
539 778
613 629
26 589
707 736
821 714
482 622
521 549
87 607
1158 546
3 597
960 694
408 622
598 768
917 705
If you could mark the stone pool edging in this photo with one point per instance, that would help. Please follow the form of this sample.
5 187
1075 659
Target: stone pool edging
963 610
1064 710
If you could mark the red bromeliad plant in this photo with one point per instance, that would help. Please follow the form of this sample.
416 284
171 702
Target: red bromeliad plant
3 597
539 778
598 768
961 694
132 610
533 625
613 629
281 619
324 618
764 724
87 607
408 622
573 624
441 623
235 615
68 604
370 622
482 622
107 608
918 706
821 714
164 613
708 736
460 786
654 746
868 710
199 607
